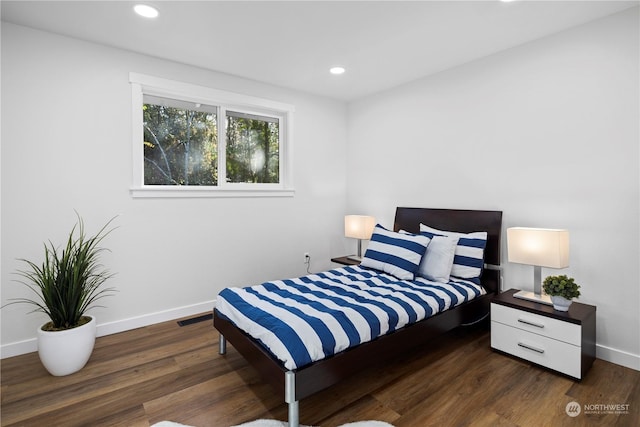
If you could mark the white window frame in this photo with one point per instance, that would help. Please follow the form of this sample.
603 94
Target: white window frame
142 84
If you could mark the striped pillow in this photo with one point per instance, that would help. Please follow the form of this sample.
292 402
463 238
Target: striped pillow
468 259
395 253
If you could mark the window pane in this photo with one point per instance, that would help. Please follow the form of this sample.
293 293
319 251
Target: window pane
253 148
180 143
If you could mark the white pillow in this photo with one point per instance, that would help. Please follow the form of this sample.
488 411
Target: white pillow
398 254
437 262
468 260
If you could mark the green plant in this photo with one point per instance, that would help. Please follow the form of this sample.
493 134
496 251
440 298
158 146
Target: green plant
561 285
70 280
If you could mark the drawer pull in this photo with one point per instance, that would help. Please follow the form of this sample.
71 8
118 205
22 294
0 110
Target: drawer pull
528 347
528 322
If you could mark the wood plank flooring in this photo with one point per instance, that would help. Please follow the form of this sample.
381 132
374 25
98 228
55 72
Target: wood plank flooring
167 372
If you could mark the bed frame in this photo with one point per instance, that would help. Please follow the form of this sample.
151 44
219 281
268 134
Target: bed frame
300 383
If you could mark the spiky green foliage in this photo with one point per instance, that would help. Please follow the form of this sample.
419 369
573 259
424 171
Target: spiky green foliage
561 285
70 280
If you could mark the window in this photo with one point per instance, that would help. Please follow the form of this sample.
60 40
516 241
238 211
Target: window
252 148
193 141
180 143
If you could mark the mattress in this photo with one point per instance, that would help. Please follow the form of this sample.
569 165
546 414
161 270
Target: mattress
309 318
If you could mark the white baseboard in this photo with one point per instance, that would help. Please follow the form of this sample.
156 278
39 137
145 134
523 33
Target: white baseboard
618 357
150 319
31 345
18 348
609 354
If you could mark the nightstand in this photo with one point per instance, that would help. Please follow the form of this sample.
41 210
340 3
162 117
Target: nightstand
562 341
345 261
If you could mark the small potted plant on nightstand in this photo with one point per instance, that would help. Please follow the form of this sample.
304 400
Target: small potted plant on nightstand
562 290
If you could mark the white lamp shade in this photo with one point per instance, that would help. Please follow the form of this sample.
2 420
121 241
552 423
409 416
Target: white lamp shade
359 226
543 247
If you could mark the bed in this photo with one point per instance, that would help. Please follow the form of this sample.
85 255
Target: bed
300 378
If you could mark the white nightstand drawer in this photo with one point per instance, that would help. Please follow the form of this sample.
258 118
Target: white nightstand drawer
541 325
557 355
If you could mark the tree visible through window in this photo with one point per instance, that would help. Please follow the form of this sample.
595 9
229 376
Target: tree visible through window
180 144
252 148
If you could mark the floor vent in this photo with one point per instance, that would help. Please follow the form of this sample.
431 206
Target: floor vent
196 319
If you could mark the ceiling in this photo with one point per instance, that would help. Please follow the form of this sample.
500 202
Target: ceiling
294 43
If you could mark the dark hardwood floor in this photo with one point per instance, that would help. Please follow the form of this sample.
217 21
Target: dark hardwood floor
167 372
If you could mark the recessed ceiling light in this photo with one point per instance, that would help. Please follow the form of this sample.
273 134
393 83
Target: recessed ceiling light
146 10
337 70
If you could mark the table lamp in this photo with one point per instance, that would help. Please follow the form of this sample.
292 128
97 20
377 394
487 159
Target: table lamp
358 227
539 247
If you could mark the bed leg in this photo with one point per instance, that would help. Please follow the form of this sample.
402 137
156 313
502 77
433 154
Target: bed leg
222 345
290 398
294 415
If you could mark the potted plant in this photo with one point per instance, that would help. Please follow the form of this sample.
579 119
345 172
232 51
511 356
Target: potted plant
67 284
562 290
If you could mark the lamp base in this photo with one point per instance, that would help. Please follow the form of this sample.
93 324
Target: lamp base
530 296
355 258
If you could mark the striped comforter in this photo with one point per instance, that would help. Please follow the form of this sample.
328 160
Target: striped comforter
309 318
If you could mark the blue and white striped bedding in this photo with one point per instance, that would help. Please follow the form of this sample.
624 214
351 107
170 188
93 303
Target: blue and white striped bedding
309 318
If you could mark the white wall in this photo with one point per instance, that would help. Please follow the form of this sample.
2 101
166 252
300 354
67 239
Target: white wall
547 133
66 144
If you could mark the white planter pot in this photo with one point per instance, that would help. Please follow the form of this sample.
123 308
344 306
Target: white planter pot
560 303
65 352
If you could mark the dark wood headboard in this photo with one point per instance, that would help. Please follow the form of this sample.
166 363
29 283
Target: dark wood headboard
463 221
